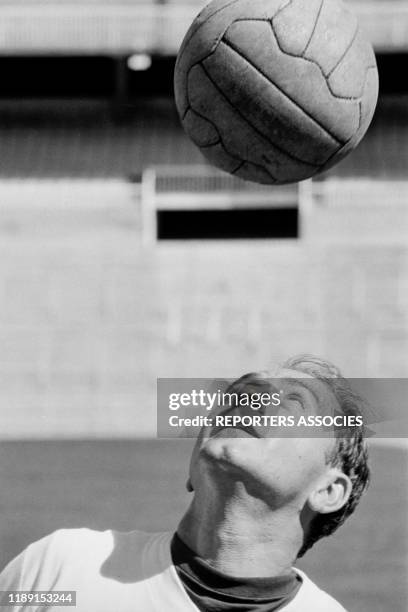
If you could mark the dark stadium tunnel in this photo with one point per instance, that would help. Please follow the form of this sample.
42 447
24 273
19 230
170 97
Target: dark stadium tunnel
231 224
82 76
100 76
393 72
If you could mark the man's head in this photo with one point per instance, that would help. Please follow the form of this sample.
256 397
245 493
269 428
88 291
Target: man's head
318 479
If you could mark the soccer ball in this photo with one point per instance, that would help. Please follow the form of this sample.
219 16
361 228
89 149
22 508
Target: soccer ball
275 91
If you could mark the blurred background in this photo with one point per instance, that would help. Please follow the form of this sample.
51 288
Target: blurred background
124 257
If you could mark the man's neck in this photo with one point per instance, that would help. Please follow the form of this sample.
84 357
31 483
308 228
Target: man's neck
241 536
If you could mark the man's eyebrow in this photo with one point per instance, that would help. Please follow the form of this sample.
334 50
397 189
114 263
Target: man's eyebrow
301 382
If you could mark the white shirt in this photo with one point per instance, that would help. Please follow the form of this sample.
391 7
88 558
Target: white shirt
120 572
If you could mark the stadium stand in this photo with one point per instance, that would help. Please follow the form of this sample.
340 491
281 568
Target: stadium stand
80 138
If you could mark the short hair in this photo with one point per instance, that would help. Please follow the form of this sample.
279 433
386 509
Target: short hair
350 453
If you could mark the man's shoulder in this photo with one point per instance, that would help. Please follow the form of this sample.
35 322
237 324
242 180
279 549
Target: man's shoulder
103 567
84 542
310 596
72 552
67 542
53 550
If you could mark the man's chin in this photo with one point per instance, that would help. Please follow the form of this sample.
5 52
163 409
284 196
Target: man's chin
230 451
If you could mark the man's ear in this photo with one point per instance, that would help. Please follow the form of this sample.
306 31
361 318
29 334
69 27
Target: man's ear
331 493
189 486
